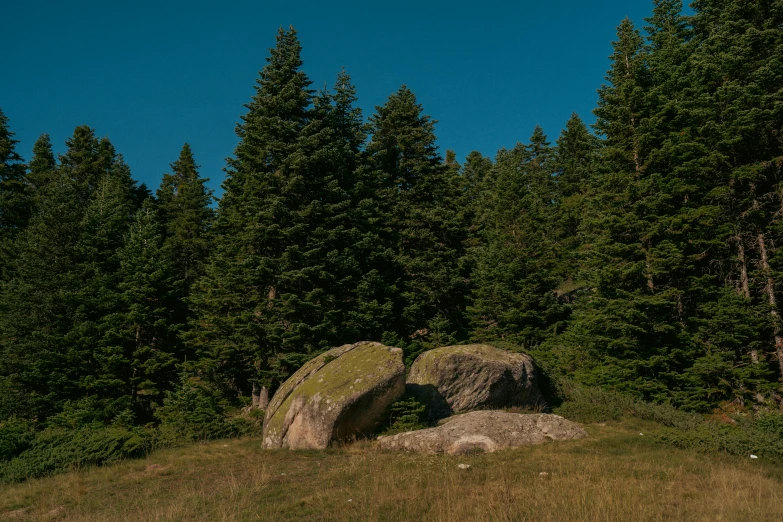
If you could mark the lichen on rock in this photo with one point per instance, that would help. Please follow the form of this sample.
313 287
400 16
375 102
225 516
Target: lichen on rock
464 378
341 393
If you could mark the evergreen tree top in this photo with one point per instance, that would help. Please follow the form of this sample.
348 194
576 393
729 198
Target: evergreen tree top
667 26
282 88
403 139
10 160
185 167
43 158
349 120
276 117
539 149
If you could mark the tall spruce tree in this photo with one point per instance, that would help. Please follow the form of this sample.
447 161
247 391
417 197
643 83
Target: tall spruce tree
270 296
417 198
139 348
14 196
624 327
731 74
38 368
65 280
514 279
184 207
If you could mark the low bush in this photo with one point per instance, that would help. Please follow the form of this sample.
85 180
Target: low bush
196 411
587 404
15 437
407 414
55 450
761 436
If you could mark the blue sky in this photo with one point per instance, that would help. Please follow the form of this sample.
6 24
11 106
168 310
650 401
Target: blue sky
153 75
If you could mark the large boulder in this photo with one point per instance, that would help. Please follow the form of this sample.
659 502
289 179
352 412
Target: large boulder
458 379
485 431
341 393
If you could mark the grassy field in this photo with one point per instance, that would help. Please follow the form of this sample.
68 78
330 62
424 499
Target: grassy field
617 474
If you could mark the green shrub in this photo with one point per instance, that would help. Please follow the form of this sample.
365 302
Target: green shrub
56 450
407 414
15 437
760 434
746 437
197 411
587 404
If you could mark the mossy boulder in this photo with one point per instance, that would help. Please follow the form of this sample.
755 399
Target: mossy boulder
458 379
341 393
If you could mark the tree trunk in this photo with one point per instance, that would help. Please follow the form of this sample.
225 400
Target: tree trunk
773 306
263 398
636 160
260 396
650 282
745 290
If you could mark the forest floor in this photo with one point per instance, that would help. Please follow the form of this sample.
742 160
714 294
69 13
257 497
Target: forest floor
620 473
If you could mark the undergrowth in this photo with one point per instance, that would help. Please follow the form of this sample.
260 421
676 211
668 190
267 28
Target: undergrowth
746 433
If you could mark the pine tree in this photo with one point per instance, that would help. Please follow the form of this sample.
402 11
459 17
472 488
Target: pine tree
14 197
574 165
269 298
622 331
514 279
417 198
184 206
43 164
38 368
65 282
139 348
730 102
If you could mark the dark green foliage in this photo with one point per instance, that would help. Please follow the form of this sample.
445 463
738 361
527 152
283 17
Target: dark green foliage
57 450
417 218
761 437
514 276
184 207
14 196
407 414
196 410
15 437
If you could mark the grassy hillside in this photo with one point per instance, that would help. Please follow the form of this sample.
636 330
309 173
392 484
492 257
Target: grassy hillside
620 473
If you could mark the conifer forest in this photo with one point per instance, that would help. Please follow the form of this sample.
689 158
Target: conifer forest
641 254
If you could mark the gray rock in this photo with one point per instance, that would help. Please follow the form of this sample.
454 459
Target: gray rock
458 379
485 431
341 393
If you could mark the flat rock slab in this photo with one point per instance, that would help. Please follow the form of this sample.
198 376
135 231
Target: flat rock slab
457 379
485 431
341 393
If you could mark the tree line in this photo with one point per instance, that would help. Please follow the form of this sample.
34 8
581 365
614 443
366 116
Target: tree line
642 255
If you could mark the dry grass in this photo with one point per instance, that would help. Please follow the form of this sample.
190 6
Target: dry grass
615 475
